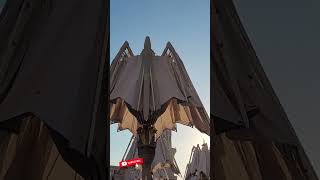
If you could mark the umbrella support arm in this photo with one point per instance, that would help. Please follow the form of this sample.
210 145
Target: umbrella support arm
146 149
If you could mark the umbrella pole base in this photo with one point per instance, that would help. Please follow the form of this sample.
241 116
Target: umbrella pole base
147 153
146 150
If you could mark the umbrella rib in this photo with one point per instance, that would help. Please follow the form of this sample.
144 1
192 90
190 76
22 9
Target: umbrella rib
192 152
139 98
151 79
174 160
178 79
54 163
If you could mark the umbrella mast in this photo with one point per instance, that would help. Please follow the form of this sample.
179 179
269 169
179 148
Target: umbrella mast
146 133
146 149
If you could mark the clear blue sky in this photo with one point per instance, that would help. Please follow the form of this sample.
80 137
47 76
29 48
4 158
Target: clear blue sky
186 24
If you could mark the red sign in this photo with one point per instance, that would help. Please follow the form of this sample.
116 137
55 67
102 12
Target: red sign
131 162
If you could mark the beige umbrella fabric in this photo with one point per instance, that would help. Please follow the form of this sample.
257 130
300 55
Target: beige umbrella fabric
254 139
199 165
153 89
32 154
246 160
53 66
163 160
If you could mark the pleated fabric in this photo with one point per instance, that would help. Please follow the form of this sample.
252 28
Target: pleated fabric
156 89
254 138
250 160
199 166
32 154
163 165
52 66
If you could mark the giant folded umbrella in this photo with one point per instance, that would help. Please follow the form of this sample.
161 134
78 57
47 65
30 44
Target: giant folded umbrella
255 139
198 167
52 76
150 93
163 165
150 89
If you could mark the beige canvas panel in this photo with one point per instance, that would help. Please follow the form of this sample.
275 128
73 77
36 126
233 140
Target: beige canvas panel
129 122
245 161
247 152
282 163
119 113
32 154
228 162
8 151
174 113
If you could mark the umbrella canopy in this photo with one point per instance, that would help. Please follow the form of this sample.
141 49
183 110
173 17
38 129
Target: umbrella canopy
243 93
194 164
164 162
52 67
247 109
164 157
156 90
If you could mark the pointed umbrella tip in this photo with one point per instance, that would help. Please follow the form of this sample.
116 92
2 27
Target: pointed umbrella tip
169 43
147 43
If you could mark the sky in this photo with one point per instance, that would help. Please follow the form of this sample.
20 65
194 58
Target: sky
285 35
186 24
